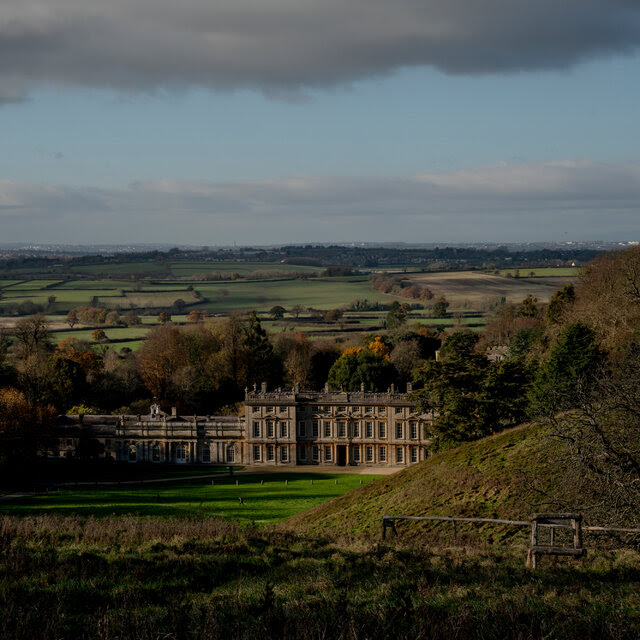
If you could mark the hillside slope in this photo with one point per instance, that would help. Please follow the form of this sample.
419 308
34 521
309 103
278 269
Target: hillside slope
491 478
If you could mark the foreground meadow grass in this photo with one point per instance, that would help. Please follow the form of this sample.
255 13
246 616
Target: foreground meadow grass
268 497
144 578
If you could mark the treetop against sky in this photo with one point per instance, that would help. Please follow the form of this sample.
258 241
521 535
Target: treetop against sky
290 121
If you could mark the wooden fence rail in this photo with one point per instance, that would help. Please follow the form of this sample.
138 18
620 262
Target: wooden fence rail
390 522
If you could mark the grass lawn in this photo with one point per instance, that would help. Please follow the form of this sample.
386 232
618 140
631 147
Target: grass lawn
281 495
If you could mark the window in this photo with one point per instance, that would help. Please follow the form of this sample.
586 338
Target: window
383 454
382 411
414 454
270 429
107 443
342 429
356 453
327 429
314 429
369 430
369 453
369 409
327 452
302 453
342 409
269 409
284 454
413 431
315 409
155 454
399 431
256 429
356 429
181 453
206 453
283 409
256 409
231 453
399 454
315 453
302 428
256 452
284 430
69 442
133 452
398 411
270 453
382 430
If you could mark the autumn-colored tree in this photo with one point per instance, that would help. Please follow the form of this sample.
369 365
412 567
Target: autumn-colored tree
132 319
159 358
72 318
608 298
164 317
24 428
81 353
296 351
98 335
195 315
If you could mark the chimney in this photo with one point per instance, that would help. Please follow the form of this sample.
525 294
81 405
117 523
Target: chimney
409 387
263 387
362 387
393 388
326 387
174 412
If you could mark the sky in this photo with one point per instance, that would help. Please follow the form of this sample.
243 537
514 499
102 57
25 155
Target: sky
288 121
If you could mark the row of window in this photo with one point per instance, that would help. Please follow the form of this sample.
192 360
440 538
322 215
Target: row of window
282 428
358 453
180 453
282 410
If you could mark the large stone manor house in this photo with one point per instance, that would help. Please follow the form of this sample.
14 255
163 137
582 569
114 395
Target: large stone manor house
282 428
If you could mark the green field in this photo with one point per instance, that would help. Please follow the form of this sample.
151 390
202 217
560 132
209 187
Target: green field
185 269
320 293
119 268
269 497
118 334
545 272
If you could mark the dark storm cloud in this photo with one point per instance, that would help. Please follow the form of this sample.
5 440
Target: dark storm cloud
280 46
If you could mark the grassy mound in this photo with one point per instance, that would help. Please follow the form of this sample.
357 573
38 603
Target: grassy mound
508 475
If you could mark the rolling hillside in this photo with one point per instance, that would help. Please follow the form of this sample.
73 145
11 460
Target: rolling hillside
490 478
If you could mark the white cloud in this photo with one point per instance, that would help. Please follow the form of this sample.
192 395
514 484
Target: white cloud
509 201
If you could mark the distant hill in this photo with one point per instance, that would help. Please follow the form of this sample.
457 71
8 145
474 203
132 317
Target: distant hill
490 478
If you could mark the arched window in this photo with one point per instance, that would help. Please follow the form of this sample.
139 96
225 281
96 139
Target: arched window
155 453
206 453
181 453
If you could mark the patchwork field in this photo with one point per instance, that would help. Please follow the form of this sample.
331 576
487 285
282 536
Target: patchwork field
471 294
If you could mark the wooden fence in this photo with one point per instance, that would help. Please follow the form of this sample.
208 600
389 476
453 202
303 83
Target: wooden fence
539 521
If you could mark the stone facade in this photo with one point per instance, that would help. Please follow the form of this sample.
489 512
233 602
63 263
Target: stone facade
336 428
278 428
